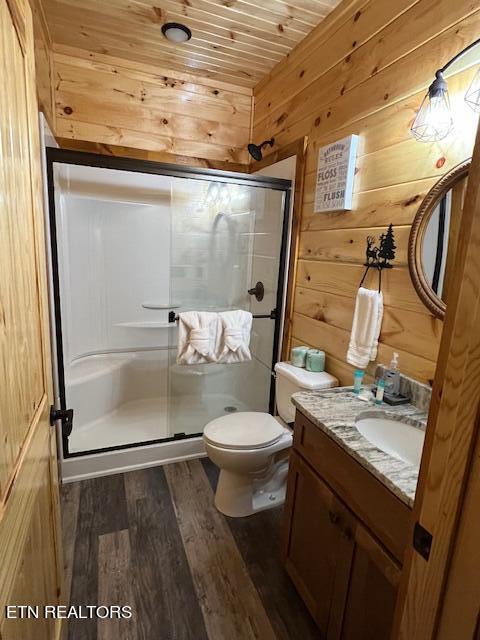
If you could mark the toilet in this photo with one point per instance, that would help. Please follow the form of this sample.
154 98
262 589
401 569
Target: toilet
251 448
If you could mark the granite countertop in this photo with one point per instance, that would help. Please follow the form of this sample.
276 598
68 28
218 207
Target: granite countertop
334 411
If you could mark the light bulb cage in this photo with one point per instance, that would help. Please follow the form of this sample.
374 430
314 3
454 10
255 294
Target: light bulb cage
472 97
434 119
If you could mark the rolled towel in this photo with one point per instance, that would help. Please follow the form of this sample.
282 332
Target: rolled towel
197 333
200 340
233 337
366 326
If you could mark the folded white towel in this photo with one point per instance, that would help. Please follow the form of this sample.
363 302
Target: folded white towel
367 322
233 336
197 335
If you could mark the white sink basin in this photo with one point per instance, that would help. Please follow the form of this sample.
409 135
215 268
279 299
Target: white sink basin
398 439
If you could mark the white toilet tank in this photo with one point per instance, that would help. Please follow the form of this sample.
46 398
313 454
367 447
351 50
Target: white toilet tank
290 379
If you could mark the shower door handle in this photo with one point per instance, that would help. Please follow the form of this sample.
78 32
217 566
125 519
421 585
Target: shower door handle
258 291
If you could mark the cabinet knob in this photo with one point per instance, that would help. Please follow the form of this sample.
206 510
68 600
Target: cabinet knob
334 518
348 534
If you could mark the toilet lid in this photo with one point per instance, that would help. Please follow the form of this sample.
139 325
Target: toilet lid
244 430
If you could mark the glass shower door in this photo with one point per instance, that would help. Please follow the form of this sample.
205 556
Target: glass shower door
113 265
225 237
129 247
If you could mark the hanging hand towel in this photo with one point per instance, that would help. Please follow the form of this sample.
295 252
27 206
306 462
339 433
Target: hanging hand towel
197 332
367 322
233 336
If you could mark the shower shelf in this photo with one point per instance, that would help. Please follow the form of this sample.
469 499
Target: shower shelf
144 325
157 305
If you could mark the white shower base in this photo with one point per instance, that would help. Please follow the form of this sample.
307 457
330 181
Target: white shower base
134 398
111 462
135 421
150 419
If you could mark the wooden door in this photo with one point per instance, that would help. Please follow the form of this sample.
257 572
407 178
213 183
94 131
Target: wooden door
318 547
372 592
30 553
460 610
453 424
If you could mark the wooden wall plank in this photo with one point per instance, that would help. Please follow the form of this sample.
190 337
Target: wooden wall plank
106 134
349 26
43 62
344 279
334 341
103 101
333 85
348 245
390 125
339 95
395 203
158 93
89 109
337 310
144 154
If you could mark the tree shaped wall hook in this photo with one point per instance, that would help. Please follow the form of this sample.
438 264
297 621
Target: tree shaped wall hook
380 257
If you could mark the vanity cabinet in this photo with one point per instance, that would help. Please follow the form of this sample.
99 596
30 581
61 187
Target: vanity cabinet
372 591
342 562
319 550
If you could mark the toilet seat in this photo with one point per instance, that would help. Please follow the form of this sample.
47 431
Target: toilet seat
244 430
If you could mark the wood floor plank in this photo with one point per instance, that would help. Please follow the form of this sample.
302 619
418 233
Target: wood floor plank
70 498
115 585
102 509
188 572
231 606
165 599
258 539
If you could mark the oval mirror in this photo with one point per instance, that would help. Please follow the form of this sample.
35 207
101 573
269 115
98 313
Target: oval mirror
433 239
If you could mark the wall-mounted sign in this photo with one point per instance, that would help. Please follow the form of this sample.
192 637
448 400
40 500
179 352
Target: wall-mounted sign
335 174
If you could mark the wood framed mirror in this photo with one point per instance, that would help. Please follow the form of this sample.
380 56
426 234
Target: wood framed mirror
433 239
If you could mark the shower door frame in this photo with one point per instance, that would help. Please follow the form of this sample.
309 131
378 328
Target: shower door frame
82 158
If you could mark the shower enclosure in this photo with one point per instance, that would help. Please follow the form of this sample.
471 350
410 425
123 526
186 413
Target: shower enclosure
134 244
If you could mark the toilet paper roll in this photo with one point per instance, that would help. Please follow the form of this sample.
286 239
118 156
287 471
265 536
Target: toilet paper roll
298 356
315 360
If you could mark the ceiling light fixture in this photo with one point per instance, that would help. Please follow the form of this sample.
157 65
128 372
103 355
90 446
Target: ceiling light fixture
434 119
176 32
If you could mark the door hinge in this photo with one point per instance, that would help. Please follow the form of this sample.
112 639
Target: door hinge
66 417
422 540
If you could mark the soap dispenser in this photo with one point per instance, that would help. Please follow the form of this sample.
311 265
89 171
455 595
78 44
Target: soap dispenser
392 377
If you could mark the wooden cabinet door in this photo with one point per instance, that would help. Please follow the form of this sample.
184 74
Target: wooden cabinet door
372 591
318 553
30 566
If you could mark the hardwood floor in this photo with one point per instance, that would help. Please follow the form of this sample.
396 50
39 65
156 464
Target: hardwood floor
152 539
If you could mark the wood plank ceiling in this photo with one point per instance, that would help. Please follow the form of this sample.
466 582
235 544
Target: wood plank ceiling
237 41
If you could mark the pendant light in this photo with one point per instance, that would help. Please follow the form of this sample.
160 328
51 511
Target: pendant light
434 119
